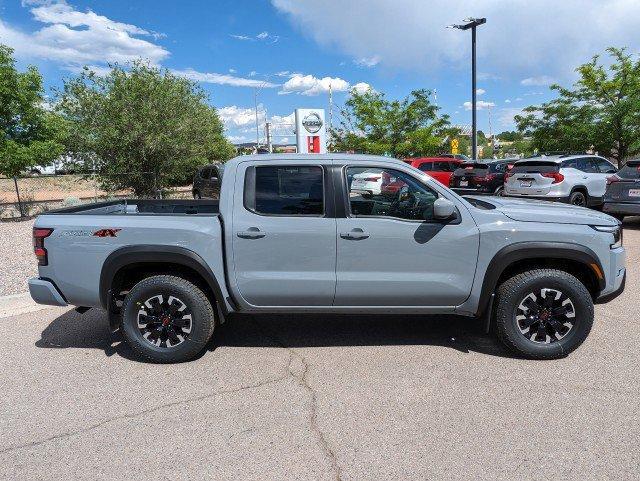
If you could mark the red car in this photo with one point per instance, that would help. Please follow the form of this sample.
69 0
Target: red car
440 168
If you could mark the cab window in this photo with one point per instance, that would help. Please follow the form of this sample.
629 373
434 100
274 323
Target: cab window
383 192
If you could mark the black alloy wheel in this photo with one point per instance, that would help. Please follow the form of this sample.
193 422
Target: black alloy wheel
164 321
545 316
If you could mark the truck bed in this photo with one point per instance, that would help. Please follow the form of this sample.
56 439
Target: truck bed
143 207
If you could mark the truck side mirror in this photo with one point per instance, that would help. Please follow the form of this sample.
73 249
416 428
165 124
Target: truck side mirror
443 209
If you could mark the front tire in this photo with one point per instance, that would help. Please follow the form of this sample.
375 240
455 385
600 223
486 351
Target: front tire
543 313
167 319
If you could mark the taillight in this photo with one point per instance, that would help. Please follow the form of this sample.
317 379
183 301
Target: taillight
484 178
39 234
556 176
613 179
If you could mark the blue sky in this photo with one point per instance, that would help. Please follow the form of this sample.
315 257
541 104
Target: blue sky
291 50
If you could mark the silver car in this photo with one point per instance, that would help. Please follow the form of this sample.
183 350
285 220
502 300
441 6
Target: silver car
575 179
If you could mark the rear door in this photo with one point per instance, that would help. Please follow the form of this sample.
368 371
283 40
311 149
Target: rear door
602 169
284 235
391 252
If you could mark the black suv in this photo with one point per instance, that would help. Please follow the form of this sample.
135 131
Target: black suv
481 177
206 182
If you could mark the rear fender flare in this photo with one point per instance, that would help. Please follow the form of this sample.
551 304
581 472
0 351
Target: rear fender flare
156 254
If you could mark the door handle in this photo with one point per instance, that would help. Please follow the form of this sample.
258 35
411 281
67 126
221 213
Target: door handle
251 233
355 234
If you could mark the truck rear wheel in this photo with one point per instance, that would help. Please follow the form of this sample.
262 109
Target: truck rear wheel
167 319
543 313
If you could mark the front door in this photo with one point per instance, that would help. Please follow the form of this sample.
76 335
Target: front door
284 237
392 252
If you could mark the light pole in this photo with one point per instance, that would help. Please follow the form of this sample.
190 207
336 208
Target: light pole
472 23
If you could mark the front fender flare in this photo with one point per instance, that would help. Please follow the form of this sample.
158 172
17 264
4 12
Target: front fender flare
510 254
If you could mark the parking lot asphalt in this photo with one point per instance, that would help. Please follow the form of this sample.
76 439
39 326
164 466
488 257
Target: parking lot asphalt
321 397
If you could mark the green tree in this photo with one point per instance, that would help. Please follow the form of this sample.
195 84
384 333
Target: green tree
31 134
510 136
142 128
400 128
601 110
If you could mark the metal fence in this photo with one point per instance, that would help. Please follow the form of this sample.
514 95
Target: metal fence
27 196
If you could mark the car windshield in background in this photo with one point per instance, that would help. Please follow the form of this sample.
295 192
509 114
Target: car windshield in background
631 170
535 167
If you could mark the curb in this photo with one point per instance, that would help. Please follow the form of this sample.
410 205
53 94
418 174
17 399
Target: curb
17 304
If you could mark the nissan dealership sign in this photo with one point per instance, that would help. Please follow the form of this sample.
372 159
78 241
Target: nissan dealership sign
311 134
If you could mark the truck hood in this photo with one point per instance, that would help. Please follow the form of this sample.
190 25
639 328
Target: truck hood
532 210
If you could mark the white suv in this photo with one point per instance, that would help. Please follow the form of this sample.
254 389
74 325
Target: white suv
575 179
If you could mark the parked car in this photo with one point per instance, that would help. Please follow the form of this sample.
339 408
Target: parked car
480 177
206 182
622 197
291 234
575 179
454 156
440 168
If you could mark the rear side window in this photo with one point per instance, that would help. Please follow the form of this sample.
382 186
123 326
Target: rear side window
631 170
284 190
442 166
535 167
205 173
588 165
604 166
426 167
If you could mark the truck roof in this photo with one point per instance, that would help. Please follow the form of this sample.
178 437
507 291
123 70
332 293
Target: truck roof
314 158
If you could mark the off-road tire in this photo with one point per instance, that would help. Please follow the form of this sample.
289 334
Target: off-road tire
510 294
202 318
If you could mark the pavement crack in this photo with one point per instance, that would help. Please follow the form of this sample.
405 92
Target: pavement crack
144 412
302 379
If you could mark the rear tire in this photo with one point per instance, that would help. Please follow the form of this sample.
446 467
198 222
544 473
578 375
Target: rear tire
167 319
578 198
543 313
499 192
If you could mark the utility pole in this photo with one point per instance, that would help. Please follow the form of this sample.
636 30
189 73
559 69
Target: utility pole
255 101
267 131
472 23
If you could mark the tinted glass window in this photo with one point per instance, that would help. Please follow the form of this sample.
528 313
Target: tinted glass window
205 173
586 164
630 171
535 167
604 166
570 163
284 190
442 166
426 167
388 193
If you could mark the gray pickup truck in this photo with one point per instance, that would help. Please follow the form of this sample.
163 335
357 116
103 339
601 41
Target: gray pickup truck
330 233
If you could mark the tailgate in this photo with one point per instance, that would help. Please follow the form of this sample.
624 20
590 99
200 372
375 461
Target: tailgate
532 178
469 175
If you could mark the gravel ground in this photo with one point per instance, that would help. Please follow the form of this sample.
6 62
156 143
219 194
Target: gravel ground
17 262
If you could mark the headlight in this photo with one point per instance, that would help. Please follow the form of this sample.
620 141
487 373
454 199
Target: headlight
615 230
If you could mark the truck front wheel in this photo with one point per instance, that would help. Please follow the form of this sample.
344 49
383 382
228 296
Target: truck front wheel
167 319
543 313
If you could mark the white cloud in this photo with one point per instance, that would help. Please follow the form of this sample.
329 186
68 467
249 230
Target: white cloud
507 101
73 37
388 29
262 36
480 91
310 85
361 87
480 105
506 115
222 79
540 81
241 37
283 73
367 61
233 116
